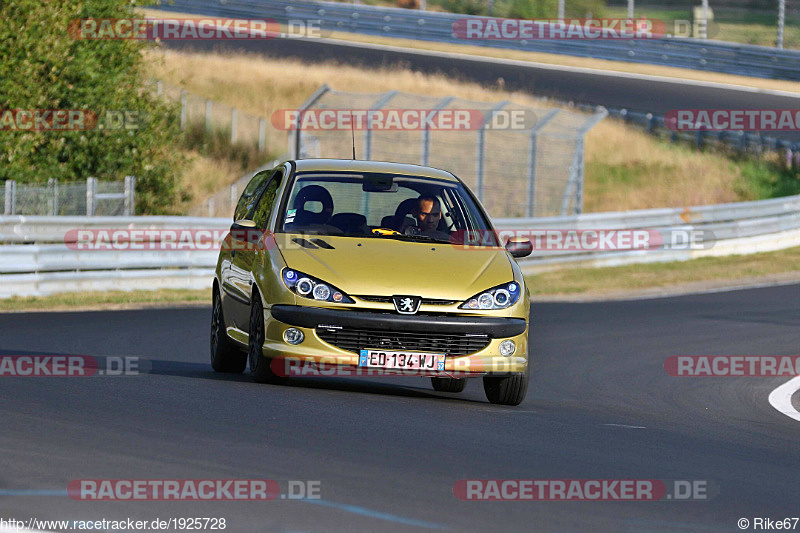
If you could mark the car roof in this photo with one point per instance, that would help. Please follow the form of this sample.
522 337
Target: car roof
339 165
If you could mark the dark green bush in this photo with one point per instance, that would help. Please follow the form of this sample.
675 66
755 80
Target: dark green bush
43 67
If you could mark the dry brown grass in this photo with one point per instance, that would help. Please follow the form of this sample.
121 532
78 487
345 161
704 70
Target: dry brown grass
625 167
203 176
628 169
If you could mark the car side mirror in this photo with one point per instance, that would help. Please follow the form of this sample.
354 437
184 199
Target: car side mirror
245 230
519 247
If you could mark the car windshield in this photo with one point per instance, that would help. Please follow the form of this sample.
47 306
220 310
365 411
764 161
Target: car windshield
384 206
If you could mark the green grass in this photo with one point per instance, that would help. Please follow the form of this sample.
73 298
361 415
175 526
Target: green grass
733 25
766 178
105 300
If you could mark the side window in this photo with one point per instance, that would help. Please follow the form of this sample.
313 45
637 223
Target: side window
250 195
267 202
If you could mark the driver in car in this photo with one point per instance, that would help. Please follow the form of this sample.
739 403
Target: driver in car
428 214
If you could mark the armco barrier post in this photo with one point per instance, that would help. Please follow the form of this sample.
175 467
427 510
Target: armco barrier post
52 184
91 195
130 198
10 200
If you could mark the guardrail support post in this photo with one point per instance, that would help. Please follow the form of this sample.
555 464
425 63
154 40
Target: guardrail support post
10 200
781 22
91 193
129 201
53 186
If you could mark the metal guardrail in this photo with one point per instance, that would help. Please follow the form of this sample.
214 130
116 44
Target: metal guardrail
738 140
716 56
47 265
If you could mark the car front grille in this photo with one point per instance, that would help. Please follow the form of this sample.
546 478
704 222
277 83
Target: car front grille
388 300
353 339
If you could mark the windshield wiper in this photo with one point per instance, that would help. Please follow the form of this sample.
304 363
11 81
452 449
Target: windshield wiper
427 238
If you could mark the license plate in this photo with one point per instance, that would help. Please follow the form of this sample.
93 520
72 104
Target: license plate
401 360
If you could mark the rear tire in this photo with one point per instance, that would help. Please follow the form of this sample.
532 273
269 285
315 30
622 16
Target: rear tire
448 384
506 390
259 365
225 357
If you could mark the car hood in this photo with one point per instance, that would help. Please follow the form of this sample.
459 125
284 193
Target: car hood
385 266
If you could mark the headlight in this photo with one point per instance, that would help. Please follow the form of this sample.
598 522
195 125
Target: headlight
499 297
313 288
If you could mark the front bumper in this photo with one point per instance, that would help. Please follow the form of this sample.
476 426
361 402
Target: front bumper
428 333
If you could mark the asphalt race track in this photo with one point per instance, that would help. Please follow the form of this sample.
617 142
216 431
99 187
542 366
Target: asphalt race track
599 88
388 452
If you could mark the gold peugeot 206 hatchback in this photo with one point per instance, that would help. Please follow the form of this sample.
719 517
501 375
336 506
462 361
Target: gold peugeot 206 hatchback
356 268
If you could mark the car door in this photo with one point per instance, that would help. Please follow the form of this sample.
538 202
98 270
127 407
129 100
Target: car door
234 280
244 250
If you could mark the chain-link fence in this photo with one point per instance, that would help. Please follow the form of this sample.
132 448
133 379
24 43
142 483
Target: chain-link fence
90 198
535 168
223 202
226 121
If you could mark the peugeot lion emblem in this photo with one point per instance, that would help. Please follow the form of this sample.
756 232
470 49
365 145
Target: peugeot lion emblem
406 305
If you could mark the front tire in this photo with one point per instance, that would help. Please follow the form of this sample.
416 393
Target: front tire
507 390
259 365
225 357
448 384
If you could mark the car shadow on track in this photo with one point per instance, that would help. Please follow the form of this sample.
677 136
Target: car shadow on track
363 385
123 365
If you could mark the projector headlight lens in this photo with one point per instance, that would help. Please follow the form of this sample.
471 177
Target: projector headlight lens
500 297
304 286
313 288
321 292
